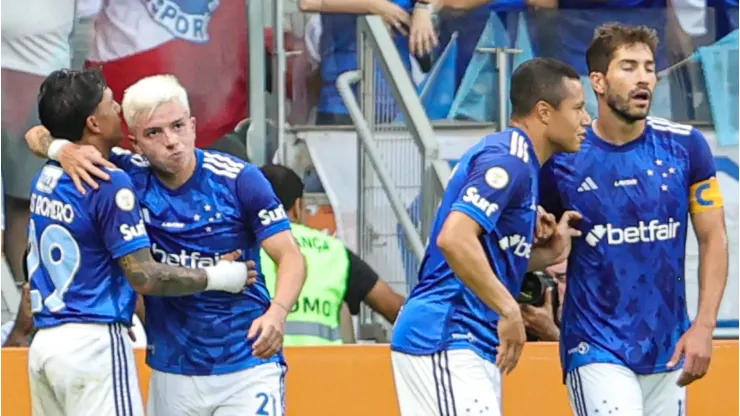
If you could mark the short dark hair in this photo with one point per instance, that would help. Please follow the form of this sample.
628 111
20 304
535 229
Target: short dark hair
612 36
287 185
539 79
67 98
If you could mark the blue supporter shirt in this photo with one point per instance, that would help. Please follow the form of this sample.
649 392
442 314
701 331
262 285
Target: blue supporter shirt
74 244
226 205
626 300
567 37
495 184
338 50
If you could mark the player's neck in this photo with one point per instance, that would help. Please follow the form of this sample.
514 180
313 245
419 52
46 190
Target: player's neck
615 130
178 179
98 143
543 149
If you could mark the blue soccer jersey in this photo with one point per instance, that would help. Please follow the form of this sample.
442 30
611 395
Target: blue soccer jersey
495 184
74 244
626 301
226 205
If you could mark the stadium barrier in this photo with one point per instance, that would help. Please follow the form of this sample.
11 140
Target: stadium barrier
357 380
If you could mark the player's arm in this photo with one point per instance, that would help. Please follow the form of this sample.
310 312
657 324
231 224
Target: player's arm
459 242
118 219
151 278
708 218
267 219
291 268
80 162
497 180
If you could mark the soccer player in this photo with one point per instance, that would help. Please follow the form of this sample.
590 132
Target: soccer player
462 318
625 331
212 353
83 252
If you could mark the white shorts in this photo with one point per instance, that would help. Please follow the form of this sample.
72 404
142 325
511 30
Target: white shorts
601 389
255 391
83 369
455 382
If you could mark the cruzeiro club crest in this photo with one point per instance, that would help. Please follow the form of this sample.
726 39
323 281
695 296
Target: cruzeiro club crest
184 19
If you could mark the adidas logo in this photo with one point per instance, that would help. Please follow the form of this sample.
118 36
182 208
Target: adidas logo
588 184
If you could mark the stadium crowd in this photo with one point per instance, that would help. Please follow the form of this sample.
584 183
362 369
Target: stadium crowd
205 45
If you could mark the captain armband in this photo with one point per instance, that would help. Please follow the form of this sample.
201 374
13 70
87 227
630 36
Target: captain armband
705 195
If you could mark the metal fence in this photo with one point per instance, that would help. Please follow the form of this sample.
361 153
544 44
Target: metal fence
398 155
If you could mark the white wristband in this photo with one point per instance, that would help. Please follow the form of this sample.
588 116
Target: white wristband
228 276
55 147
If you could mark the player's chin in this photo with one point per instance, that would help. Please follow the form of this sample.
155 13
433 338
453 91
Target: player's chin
640 113
574 145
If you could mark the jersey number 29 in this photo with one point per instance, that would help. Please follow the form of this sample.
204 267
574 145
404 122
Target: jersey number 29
58 252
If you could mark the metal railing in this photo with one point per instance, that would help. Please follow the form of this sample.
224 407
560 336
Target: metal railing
380 136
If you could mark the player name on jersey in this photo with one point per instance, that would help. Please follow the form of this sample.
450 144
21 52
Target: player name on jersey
51 208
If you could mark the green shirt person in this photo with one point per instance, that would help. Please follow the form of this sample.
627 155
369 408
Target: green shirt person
334 274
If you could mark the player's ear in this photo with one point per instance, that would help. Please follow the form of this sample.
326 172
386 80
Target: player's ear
92 124
192 123
598 82
543 111
134 143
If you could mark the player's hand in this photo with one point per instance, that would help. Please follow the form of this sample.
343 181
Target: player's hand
268 329
540 321
394 16
696 346
512 336
252 273
560 243
24 320
546 225
81 164
422 39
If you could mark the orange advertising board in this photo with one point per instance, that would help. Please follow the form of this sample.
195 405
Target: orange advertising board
357 380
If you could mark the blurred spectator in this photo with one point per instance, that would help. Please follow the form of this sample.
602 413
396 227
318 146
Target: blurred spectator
202 42
338 47
725 16
543 322
35 42
470 24
335 275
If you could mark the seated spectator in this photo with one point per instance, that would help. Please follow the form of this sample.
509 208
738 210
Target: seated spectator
334 276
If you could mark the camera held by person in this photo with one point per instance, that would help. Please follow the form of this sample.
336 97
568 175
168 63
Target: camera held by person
540 300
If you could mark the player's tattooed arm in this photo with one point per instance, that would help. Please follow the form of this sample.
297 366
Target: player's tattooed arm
151 278
38 140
